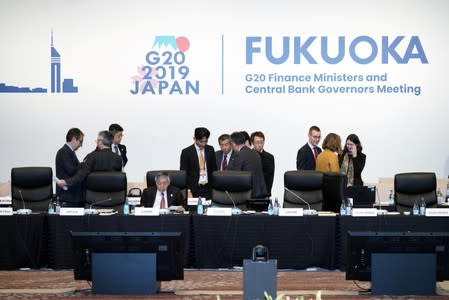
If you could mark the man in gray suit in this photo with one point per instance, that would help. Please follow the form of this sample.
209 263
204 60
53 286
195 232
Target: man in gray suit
247 159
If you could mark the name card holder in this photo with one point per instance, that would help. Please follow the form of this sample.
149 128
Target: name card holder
135 201
291 212
437 212
6 211
146 211
194 201
364 212
219 211
5 201
71 211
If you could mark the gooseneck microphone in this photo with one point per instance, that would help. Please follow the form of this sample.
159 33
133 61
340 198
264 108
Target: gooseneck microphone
307 212
235 210
23 211
93 211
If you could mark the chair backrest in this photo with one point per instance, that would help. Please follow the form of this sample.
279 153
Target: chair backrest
101 186
334 185
305 184
409 187
178 178
34 185
237 183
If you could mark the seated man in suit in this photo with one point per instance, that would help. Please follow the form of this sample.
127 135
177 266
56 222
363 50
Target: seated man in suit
117 147
162 195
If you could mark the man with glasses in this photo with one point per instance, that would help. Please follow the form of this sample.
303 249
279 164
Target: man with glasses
163 195
67 166
307 154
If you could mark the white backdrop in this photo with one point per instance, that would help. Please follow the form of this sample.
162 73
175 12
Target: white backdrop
103 42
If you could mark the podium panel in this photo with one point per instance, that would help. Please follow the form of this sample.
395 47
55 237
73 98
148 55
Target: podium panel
124 273
403 274
259 277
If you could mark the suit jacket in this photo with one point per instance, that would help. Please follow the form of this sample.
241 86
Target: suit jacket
305 159
219 157
268 169
122 149
190 163
359 163
248 160
103 160
67 166
173 196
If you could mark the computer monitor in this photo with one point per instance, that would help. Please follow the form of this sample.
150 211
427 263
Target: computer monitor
361 244
362 196
168 247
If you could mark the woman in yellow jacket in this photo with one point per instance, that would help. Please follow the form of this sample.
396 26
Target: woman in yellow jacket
327 161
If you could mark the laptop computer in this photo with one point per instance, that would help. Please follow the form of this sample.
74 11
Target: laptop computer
363 196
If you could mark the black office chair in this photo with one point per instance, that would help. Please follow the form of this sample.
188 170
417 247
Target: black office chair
31 187
305 184
334 185
106 190
178 178
237 183
409 187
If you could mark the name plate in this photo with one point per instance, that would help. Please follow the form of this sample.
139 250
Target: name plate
291 212
219 211
5 211
71 211
146 211
5 200
364 212
134 201
437 212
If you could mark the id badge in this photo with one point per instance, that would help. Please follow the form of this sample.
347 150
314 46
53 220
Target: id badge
203 177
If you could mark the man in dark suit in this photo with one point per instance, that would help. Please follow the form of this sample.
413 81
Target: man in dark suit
67 166
307 154
117 147
247 159
258 141
101 159
198 160
162 195
225 155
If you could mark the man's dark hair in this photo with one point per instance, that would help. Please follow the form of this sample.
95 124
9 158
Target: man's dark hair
314 128
246 136
73 133
237 138
201 132
223 137
114 128
258 134
106 137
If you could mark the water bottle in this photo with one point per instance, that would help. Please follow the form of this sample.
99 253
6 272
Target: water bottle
126 207
415 208
440 199
57 206
270 209
276 207
349 207
422 207
51 209
342 208
200 208
391 198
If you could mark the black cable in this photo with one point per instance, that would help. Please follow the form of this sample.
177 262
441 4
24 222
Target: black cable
364 290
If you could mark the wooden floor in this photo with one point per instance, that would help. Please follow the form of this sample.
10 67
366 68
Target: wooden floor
228 284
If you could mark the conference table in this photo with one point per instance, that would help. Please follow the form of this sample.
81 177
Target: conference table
40 240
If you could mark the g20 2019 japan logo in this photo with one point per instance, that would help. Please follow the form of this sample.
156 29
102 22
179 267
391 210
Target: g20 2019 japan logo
166 71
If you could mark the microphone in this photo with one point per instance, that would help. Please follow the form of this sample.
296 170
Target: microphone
235 210
23 211
307 212
93 211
